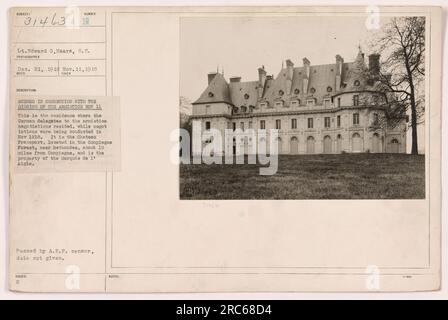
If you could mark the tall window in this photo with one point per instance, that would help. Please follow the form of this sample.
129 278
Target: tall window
207 125
375 118
262 124
310 123
234 126
356 118
327 102
338 120
278 124
207 109
327 122
242 125
250 124
339 102
293 123
356 100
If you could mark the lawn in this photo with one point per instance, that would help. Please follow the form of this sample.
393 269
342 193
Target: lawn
339 176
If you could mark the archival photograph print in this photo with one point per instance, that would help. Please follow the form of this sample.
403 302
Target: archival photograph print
302 107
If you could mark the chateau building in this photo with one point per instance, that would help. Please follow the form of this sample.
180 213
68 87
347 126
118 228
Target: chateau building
331 108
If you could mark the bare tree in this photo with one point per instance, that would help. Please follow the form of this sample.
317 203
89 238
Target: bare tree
402 41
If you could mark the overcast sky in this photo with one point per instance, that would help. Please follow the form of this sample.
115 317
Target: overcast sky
241 45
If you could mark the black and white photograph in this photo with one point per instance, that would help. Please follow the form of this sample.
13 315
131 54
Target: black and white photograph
333 105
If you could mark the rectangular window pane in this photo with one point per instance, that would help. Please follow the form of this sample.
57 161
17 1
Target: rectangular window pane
293 123
207 125
278 124
310 123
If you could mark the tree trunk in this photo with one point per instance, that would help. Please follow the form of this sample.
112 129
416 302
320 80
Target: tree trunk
414 149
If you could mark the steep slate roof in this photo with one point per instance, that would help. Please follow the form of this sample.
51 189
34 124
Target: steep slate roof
240 90
216 91
297 80
321 77
356 70
278 83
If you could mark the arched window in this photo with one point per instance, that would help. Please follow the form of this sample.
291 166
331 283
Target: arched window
376 143
327 144
310 145
294 145
338 143
279 145
394 146
356 142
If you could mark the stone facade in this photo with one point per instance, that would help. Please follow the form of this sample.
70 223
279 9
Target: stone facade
317 109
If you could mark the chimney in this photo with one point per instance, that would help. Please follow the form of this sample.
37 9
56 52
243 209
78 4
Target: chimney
339 62
374 64
235 79
289 74
306 64
261 81
211 76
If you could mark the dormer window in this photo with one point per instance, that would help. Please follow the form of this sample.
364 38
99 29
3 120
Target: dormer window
295 103
329 89
243 109
263 105
281 92
279 103
211 94
296 91
310 102
312 90
235 110
356 83
246 96
327 102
